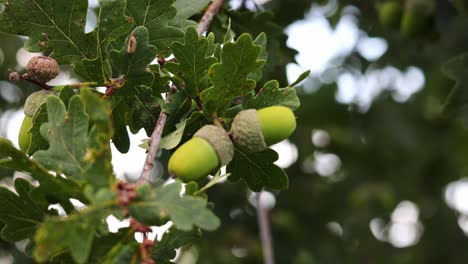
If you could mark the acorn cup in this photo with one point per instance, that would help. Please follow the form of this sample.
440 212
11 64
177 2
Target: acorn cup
42 68
253 130
32 104
208 150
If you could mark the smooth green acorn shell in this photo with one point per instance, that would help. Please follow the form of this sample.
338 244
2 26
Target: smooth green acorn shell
24 137
209 149
277 123
194 160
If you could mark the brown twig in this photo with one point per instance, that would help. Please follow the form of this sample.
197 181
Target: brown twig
155 139
210 12
153 147
15 76
265 232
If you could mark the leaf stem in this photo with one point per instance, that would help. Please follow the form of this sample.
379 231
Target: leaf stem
211 183
27 78
217 123
210 12
85 84
265 232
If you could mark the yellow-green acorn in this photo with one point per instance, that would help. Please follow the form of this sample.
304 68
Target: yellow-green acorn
32 104
209 149
253 130
417 17
24 137
390 13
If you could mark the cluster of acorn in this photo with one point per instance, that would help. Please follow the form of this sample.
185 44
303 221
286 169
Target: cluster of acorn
412 17
40 69
212 147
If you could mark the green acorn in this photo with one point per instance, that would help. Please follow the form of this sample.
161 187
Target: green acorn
417 17
209 149
253 130
32 104
24 137
390 14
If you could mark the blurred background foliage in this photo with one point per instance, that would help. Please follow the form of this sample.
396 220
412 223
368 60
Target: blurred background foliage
377 165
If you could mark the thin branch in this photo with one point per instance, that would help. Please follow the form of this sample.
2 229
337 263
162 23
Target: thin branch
15 76
153 147
265 232
210 12
85 85
155 139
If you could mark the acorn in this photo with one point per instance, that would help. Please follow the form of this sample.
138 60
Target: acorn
253 130
24 137
417 17
42 68
390 13
35 100
32 104
209 149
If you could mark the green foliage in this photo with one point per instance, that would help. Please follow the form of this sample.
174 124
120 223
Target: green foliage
55 188
270 94
111 25
455 104
207 82
76 149
258 170
133 65
51 26
164 249
186 212
22 213
155 15
194 58
230 75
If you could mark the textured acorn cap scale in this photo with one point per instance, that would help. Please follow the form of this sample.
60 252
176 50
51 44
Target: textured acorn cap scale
42 68
219 140
247 132
35 100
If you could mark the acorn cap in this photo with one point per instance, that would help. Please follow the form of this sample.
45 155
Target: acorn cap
42 68
35 100
220 141
247 132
